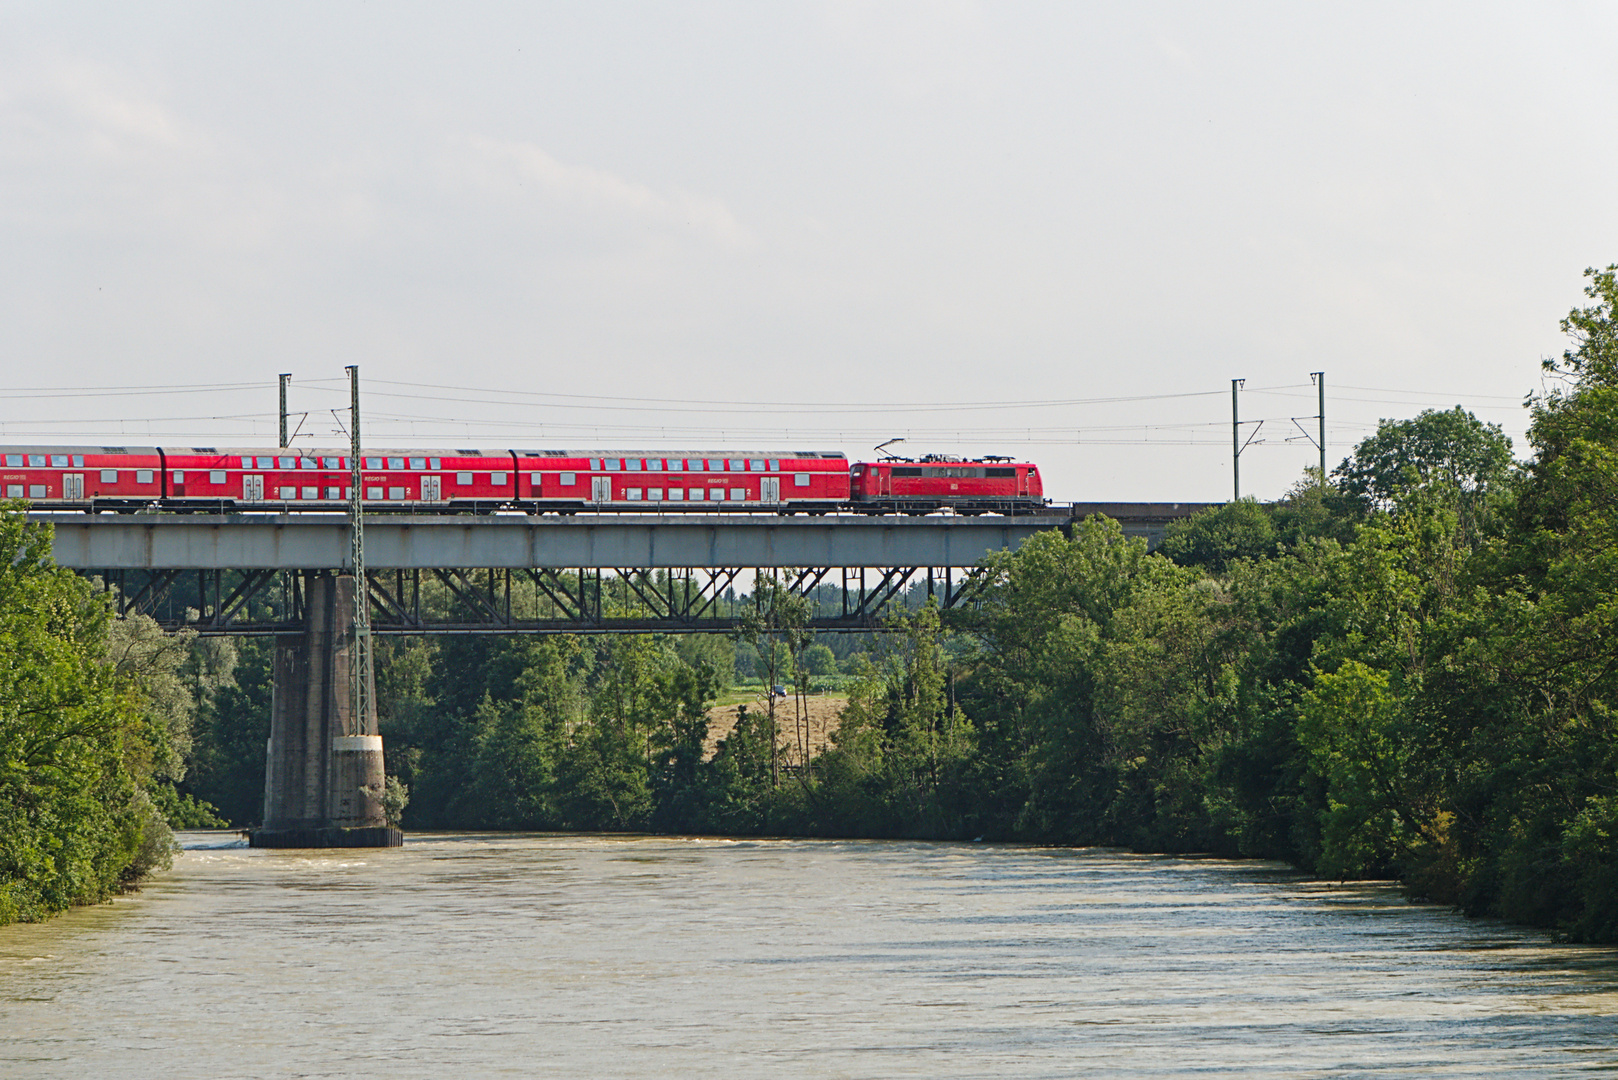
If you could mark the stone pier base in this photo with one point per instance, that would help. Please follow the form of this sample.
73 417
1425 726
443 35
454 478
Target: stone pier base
385 836
323 780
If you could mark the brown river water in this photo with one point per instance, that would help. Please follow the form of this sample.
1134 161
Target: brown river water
470 955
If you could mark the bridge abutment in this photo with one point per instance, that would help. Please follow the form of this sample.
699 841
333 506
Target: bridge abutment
323 776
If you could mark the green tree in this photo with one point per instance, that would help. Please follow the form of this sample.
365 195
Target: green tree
77 744
820 660
1216 537
1453 449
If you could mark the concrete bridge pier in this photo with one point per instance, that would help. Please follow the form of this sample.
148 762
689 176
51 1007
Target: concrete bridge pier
323 779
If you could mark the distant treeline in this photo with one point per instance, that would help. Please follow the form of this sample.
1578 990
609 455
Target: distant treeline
1406 669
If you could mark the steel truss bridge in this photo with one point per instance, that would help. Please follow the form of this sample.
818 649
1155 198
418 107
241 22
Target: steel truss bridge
247 574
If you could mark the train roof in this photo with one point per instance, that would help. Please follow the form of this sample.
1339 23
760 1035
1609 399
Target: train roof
731 453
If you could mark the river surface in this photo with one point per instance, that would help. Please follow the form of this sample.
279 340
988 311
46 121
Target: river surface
468 956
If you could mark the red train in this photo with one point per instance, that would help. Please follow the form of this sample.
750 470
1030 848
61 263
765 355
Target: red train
206 478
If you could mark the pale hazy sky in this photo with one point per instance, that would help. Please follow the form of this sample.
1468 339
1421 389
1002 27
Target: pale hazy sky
796 225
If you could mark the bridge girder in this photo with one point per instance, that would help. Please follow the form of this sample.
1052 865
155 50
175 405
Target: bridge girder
541 600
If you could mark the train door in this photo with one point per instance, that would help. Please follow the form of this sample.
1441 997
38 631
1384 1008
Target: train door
252 489
72 486
600 489
769 489
432 489
884 479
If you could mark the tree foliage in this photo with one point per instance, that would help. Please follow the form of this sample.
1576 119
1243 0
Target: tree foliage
91 720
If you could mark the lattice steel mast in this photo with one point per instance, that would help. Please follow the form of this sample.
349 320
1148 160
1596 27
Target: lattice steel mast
359 668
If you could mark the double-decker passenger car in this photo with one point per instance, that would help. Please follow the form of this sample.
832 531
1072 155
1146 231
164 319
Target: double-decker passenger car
937 482
812 480
201 478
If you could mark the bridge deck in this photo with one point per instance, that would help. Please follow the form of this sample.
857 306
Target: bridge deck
320 541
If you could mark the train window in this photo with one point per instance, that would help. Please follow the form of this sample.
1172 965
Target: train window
13 491
36 491
775 465
247 463
738 494
78 461
800 479
716 464
858 470
109 476
635 464
614 464
311 493
418 463
331 462
435 463
263 463
464 479
179 476
654 494
676 494
216 477
903 470
1001 473
397 493
757 466
36 461
697 465
373 493
373 463
289 463
498 479
569 479
738 466
308 463
654 465
632 494
395 462
288 493
676 464
58 461
595 464
332 494
143 476
14 461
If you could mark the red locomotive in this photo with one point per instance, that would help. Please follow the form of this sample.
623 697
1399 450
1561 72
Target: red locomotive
205 478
